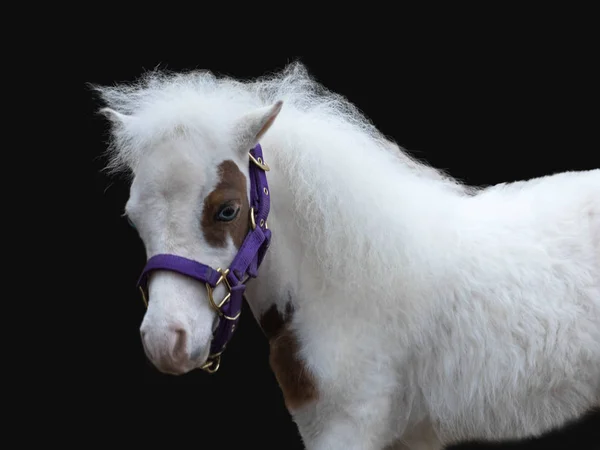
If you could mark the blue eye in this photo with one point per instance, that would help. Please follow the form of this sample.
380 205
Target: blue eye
227 213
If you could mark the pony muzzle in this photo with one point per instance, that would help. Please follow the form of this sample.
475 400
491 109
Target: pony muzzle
172 349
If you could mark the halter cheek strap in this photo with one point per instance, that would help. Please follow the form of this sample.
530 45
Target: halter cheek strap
244 266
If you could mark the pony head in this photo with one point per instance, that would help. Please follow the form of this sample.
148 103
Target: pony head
189 197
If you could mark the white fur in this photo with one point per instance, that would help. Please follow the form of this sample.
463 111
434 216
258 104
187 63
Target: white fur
428 311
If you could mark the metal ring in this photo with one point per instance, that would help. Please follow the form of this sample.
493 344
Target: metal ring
212 364
259 162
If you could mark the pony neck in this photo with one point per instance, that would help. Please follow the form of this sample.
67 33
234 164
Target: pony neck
346 212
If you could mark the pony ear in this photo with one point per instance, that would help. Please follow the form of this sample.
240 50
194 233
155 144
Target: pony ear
253 125
116 118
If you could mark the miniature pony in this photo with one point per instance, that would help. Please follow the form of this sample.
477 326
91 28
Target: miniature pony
403 309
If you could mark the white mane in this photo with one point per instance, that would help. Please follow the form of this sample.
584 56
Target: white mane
160 103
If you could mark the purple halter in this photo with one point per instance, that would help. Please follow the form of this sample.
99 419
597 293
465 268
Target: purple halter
243 267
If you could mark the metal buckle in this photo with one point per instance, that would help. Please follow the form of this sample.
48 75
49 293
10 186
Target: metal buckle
253 221
209 290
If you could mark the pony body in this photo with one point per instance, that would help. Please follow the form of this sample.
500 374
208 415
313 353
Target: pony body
416 311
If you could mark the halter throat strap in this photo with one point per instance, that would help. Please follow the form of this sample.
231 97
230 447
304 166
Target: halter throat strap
244 266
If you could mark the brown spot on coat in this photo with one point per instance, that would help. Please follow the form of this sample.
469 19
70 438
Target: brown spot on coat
273 322
296 382
230 188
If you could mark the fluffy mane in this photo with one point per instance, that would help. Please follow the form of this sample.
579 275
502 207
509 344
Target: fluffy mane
160 103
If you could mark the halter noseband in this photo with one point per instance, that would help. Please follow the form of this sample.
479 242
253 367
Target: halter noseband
243 267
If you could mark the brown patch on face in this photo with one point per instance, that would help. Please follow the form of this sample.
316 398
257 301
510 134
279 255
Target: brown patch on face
295 381
231 188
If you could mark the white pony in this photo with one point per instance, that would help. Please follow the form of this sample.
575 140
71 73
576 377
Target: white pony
403 309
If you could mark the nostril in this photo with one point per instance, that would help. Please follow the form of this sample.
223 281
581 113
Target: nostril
179 350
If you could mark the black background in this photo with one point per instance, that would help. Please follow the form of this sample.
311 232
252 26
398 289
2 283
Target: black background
502 108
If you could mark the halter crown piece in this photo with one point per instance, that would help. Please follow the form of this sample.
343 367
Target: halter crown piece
243 267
